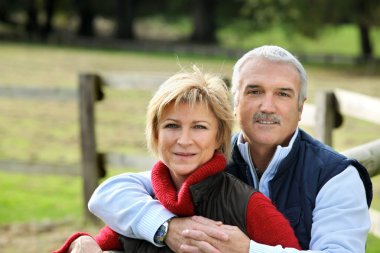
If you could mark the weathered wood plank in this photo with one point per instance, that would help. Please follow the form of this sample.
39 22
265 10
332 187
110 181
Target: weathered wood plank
325 117
308 115
27 92
137 80
358 105
88 85
375 222
367 154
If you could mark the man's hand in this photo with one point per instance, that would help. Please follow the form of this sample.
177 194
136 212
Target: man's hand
208 228
202 241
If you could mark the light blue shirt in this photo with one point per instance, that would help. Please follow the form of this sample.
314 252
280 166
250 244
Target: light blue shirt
340 219
279 155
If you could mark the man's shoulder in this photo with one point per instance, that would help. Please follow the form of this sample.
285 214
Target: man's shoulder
319 149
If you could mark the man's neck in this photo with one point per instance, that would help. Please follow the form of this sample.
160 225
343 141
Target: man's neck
262 156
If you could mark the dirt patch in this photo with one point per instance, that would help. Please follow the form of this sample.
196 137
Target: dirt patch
40 237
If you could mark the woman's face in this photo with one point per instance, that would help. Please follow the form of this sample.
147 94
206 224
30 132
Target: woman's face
187 138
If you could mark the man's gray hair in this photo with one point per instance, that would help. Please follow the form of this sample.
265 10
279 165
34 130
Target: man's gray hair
273 53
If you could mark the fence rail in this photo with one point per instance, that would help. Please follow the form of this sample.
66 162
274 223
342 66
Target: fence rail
33 92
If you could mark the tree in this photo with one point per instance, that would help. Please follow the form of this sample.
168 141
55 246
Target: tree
31 25
309 17
204 21
86 17
49 12
125 13
364 21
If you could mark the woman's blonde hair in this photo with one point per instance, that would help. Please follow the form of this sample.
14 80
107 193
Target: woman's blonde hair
192 87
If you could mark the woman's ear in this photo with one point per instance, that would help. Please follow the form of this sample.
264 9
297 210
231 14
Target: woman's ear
219 145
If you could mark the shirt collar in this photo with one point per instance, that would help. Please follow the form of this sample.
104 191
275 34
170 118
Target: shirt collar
279 155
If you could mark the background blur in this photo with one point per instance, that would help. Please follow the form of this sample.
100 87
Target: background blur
46 44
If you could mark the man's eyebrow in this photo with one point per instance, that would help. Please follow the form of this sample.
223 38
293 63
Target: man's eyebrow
287 90
252 86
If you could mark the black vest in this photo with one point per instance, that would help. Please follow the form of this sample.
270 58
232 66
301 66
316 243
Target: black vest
221 197
300 176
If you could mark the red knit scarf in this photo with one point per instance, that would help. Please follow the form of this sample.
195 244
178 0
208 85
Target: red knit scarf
180 202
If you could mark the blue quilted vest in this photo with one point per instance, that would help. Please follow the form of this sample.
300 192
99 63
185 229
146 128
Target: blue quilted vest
300 176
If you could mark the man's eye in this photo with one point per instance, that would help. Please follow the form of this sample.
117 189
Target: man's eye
283 94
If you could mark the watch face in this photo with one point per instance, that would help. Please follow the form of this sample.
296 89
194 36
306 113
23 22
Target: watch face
160 235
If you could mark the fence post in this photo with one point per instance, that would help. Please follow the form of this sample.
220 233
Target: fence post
89 92
325 116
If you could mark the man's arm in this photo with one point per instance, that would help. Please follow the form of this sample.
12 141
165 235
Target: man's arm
126 205
340 223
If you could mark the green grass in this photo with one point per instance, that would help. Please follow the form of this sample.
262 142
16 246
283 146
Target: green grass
373 244
26 198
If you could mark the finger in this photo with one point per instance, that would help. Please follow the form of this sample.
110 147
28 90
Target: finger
202 247
199 247
228 227
207 231
206 221
209 234
185 248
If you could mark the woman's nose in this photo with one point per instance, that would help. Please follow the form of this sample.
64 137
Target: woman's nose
185 138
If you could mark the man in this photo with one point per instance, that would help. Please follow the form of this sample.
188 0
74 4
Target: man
324 195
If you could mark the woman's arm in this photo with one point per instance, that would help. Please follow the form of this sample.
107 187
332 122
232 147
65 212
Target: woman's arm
126 204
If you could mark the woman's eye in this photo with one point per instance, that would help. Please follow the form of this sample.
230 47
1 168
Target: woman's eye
255 92
200 127
171 126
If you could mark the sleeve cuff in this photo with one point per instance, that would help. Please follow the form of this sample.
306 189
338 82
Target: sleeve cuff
255 247
148 226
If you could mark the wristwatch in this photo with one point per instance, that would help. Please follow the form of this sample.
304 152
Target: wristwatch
161 233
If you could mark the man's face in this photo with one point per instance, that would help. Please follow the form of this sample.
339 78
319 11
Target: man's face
267 109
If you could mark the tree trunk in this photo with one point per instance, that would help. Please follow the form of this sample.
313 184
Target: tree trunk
203 21
31 26
365 42
86 16
49 11
4 15
125 17
364 13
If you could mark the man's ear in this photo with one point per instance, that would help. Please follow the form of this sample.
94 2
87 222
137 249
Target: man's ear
300 109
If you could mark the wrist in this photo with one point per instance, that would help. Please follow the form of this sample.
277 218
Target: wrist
162 232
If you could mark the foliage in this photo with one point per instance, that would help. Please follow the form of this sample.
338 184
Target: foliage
295 16
310 17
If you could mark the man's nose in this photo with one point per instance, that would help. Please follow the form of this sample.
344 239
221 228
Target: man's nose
268 104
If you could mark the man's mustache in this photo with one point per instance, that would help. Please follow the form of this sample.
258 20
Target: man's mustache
259 116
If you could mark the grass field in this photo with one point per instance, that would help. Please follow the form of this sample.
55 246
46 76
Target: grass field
42 131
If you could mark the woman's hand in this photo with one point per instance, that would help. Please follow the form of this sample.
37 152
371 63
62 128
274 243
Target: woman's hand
205 240
204 228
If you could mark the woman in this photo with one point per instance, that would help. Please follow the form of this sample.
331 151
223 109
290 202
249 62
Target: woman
189 125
